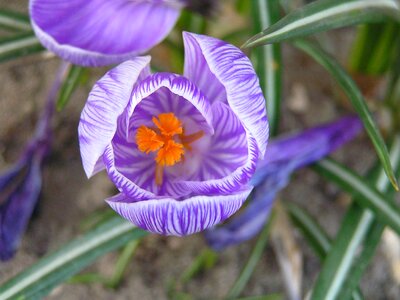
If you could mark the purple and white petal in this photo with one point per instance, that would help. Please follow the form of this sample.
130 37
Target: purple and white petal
102 32
106 102
230 159
234 71
166 92
284 156
171 217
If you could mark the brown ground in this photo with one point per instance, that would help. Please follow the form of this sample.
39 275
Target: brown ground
68 197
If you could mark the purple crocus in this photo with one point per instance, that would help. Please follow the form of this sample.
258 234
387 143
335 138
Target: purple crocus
103 32
181 149
20 185
283 157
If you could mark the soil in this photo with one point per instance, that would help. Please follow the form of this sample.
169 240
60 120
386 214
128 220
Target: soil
68 197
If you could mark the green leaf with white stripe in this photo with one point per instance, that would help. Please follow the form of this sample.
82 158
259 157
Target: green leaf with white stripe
268 62
366 195
344 265
325 15
19 45
38 280
14 21
356 98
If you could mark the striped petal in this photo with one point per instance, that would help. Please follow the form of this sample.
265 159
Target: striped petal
229 162
106 102
221 69
102 32
171 217
158 93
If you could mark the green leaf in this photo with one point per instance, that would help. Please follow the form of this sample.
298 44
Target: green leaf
18 45
325 15
356 99
357 227
252 262
366 195
268 61
38 280
316 236
373 235
69 85
14 21
312 231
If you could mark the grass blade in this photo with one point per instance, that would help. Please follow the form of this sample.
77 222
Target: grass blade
373 235
14 21
356 99
325 15
38 280
367 196
357 227
70 83
268 61
255 256
19 45
316 236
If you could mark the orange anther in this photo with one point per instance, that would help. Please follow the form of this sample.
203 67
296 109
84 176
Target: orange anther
170 154
148 140
168 124
167 139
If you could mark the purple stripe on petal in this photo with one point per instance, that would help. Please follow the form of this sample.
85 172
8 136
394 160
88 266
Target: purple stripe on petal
230 160
283 157
234 72
101 32
163 92
124 184
105 104
171 217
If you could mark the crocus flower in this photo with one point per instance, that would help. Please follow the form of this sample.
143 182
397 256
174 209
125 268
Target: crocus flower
180 149
103 32
283 157
20 185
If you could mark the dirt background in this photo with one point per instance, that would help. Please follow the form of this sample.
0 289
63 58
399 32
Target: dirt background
68 198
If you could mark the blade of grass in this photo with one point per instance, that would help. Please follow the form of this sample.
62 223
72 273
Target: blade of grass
311 230
372 238
268 61
357 227
14 20
69 85
39 279
251 264
19 45
366 195
356 99
325 15
316 236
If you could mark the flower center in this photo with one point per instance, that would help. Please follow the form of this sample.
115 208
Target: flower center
167 139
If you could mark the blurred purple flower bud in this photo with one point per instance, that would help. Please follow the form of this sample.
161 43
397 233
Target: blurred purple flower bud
104 32
283 157
20 185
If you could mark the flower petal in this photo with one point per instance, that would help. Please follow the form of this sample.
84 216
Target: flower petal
166 92
230 161
18 203
105 104
171 217
284 156
213 64
101 32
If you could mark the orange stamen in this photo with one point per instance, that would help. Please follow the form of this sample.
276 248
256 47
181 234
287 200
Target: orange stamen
162 139
170 154
159 174
168 124
148 140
